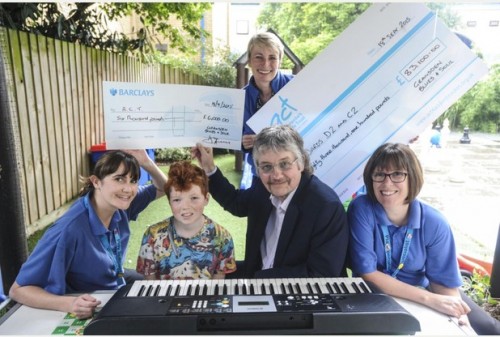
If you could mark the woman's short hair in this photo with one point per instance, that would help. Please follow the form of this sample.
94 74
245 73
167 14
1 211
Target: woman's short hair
395 156
278 138
182 175
266 39
108 164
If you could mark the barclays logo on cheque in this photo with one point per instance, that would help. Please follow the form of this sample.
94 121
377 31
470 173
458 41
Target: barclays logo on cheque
131 92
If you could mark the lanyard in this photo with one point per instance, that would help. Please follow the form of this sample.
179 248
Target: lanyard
116 258
388 249
114 255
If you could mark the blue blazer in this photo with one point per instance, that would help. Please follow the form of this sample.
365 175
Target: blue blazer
314 236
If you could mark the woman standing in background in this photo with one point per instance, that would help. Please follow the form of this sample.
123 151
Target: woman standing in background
265 54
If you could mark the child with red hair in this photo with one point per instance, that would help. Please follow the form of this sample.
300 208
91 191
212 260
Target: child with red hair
187 245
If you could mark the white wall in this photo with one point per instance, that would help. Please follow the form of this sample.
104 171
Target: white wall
233 24
484 35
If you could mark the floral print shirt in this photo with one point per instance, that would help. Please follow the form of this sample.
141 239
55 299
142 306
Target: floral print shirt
167 255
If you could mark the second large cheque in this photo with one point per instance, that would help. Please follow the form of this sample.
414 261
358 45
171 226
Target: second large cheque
141 115
387 77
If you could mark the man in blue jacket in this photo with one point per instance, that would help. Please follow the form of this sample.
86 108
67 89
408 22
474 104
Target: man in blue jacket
297 226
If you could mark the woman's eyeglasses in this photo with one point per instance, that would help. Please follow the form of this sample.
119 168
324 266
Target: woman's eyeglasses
396 177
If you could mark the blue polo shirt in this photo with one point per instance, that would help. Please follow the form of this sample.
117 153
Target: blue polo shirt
251 94
432 253
70 256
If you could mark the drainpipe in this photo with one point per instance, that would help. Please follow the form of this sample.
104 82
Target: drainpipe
202 25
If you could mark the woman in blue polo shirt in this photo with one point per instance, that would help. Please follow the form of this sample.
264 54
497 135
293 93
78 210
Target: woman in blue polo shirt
405 247
265 54
84 250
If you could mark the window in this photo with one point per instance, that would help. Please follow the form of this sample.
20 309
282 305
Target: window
242 27
161 47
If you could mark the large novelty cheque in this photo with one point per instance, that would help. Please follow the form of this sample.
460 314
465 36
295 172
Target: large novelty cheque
387 77
143 115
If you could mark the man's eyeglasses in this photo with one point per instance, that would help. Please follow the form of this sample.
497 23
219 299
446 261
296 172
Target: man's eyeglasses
283 165
396 177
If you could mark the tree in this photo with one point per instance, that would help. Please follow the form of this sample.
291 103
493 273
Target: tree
445 13
88 23
217 71
309 27
479 108
155 18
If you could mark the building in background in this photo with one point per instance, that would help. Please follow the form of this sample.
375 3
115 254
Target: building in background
480 22
232 24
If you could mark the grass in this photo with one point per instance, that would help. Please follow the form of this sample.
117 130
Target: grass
160 209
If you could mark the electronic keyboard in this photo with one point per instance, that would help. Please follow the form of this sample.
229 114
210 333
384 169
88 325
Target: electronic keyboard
251 306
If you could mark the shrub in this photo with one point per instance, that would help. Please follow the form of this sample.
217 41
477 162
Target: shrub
215 70
172 154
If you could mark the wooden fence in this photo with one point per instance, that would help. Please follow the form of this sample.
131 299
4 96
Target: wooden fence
55 92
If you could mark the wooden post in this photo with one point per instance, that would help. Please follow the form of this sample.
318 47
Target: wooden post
241 76
238 161
241 81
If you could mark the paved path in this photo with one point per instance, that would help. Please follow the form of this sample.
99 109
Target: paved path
463 181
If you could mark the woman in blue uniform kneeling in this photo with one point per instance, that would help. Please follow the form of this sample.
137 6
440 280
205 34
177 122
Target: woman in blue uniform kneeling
404 246
83 250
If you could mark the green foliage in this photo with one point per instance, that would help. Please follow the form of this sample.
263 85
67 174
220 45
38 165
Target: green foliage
221 74
308 28
172 154
216 70
347 203
88 23
309 48
479 290
33 238
479 108
155 18
73 23
445 13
